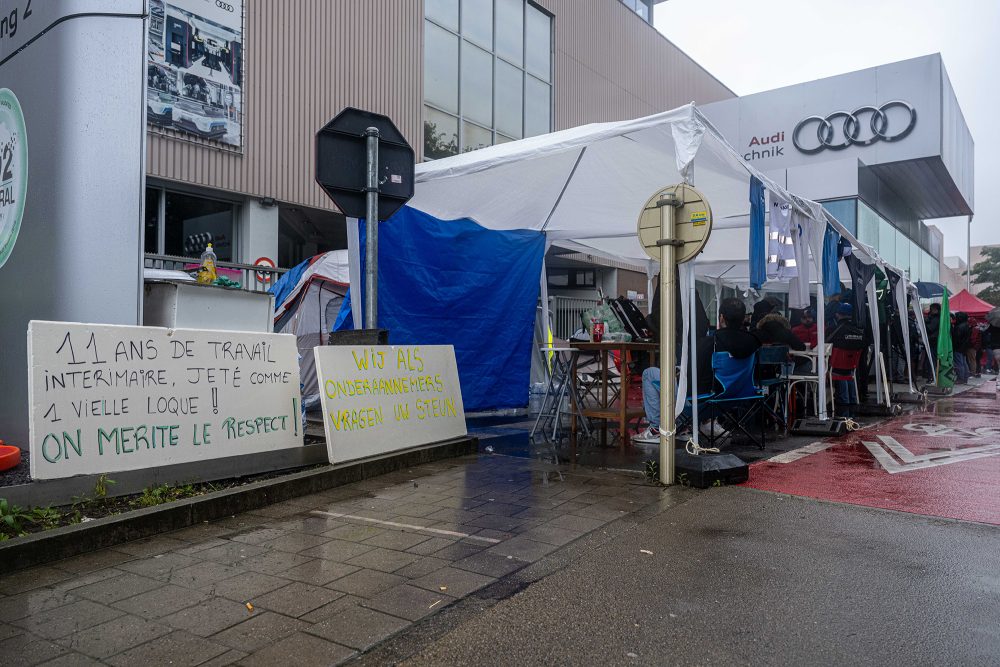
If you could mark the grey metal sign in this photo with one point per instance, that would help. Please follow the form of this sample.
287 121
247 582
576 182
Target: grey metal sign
341 163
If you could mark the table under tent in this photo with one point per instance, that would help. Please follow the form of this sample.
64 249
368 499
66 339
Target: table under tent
584 188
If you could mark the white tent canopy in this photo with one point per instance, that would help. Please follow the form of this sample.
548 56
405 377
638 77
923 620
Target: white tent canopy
585 188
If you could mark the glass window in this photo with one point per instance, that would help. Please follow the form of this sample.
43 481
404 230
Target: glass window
152 226
868 224
190 223
914 261
510 30
902 250
845 211
440 134
477 84
642 9
887 241
537 107
475 71
475 137
509 100
477 21
445 12
440 67
538 43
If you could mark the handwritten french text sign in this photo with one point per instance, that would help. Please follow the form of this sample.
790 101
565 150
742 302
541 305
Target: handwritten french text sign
385 398
106 398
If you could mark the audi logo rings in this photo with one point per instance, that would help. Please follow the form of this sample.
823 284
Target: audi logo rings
878 123
224 5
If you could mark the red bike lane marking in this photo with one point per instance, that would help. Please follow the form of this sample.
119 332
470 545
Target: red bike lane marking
945 462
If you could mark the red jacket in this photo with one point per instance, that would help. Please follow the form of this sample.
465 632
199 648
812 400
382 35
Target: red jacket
806 334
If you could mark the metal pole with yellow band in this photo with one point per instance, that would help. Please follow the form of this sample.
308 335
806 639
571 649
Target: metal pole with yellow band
673 228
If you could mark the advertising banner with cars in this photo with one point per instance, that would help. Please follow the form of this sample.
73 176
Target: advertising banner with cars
194 68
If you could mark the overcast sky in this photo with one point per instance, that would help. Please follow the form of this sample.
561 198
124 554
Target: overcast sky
755 45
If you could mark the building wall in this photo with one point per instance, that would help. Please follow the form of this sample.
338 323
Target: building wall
306 60
611 65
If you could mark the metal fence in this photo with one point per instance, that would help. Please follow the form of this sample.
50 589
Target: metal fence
249 276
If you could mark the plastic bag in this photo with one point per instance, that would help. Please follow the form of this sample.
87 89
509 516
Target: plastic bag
602 313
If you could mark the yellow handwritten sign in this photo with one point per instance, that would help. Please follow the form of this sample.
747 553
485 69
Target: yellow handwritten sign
384 398
106 398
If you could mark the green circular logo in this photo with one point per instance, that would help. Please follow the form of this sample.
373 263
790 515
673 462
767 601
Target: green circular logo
13 171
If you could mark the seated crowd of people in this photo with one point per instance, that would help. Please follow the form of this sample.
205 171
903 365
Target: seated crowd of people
742 335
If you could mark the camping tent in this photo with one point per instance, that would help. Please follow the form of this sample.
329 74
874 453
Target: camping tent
307 301
585 187
969 304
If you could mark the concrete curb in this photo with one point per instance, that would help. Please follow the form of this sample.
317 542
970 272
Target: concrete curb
66 541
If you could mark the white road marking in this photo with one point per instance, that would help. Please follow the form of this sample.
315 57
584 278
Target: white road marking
910 461
938 431
393 524
801 452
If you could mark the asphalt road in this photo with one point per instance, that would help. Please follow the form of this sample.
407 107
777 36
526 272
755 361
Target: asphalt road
737 576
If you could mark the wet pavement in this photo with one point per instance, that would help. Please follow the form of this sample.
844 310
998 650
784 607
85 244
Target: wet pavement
314 580
735 576
514 556
941 461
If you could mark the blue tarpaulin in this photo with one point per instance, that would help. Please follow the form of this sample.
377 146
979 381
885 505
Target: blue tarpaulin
831 258
758 272
456 283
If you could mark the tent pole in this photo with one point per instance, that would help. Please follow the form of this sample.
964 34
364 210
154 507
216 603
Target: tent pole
668 420
354 270
821 347
876 335
543 293
693 354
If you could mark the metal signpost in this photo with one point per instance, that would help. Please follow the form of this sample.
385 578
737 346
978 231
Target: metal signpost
673 228
365 165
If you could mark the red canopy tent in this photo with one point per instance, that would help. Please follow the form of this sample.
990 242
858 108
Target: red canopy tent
969 304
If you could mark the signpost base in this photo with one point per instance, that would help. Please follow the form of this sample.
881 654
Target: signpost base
824 427
705 470
359 337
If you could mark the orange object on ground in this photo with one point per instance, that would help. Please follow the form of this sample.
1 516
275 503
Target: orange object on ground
10 456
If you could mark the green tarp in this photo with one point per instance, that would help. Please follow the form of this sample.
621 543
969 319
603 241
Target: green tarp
945 356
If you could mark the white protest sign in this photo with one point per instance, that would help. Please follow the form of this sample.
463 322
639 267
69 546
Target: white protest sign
106 398
385 398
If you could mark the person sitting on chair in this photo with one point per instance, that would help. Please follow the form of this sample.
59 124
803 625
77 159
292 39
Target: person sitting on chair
731 337
806 330
845 335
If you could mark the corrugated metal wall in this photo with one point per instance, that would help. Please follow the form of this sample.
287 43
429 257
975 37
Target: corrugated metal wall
305 60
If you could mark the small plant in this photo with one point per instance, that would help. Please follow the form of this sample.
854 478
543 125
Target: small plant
652 470
12 519
164 493
45 518
101 487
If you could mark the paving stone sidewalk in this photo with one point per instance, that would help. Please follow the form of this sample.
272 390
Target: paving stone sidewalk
312 581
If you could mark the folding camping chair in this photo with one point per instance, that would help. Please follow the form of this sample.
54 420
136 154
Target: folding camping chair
808 381
775 357
844 367
740 401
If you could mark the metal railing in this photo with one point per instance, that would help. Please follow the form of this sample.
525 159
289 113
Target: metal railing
249 276
567 314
